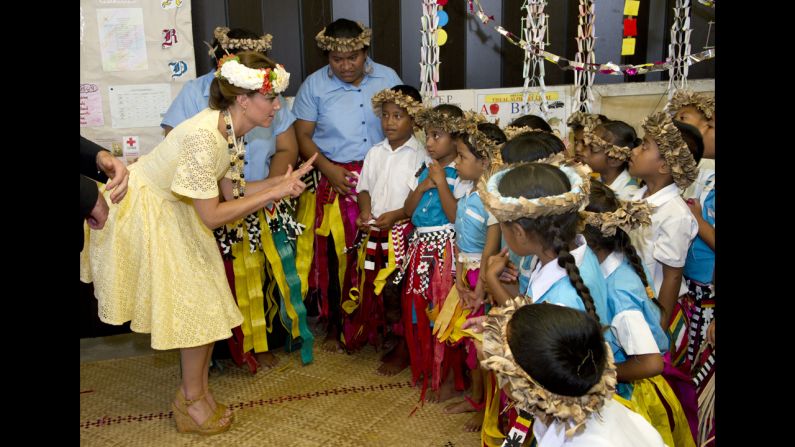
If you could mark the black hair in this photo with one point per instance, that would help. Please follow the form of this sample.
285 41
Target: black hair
532 121
693 138
343 28
555 232
408 91
493 132
620 134
601 119
234 33
561 348
602 199
531 146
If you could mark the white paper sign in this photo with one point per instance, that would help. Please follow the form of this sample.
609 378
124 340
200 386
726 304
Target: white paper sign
506 104
91 106
121 39
141 105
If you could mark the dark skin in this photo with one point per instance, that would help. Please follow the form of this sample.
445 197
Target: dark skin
647 164
348 67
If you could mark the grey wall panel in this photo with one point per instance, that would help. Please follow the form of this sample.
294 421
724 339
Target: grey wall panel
410 14
281 19
356 10
483 48
206 15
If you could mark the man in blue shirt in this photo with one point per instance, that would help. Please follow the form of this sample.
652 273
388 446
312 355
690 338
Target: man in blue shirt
335 120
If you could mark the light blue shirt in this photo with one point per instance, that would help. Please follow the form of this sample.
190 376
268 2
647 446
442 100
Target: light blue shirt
472 221
260 141
700 263
625 292
429 211
345 125
550 283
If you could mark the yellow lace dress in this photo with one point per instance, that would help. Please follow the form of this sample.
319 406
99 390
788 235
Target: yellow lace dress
155 263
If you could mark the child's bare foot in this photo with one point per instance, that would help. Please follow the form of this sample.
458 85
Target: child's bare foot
332 343
459 407
446 391
476 421
267 359
395 360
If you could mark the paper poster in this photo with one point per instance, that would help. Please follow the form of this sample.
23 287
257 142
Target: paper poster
170 4
140 105
91 106
465 99
506 105
121 39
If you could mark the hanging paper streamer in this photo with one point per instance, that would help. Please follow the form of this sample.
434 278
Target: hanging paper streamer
429 51
608 68
583 79
534 30
630 27
679 48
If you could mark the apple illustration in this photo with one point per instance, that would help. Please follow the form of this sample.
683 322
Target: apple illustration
494 108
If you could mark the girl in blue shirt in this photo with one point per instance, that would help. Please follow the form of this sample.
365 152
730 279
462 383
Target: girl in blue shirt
638 340
428 273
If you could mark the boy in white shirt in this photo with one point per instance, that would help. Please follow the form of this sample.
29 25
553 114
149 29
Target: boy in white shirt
384 183
665 164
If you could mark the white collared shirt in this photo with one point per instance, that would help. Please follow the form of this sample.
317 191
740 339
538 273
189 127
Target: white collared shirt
614 425
387 174
624 186
669 236
544 276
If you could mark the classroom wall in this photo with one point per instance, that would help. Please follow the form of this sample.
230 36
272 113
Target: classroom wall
475 56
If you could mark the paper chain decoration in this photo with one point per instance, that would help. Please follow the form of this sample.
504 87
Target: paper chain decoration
607 68
583 79
679 48
429 52
535 27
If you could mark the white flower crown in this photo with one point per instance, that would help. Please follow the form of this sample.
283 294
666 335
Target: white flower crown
264 80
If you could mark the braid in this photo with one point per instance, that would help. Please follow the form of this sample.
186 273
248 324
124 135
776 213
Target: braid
626 247
566 260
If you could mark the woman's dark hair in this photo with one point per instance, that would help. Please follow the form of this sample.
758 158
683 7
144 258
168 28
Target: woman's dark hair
223 94
408 91
603 200
692 137
559 347
234 33
533 121
555 232
493 132
531 146
343 28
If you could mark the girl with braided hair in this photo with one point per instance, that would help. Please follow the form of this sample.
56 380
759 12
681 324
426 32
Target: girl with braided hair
563 381
638 340
537 205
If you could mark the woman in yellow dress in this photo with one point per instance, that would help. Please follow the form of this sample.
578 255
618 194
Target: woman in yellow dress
156 262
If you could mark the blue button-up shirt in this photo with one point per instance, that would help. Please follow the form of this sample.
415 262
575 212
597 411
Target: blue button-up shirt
345 125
